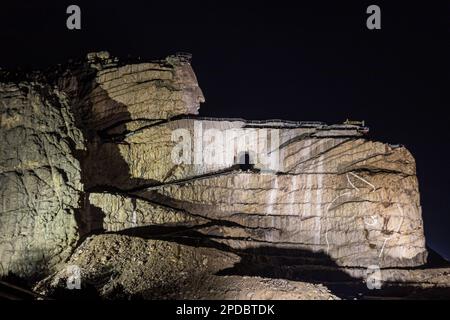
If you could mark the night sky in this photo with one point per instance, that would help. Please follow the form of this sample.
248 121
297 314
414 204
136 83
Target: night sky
279 60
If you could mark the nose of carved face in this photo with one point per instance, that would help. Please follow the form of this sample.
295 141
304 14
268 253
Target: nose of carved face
200 96
193 96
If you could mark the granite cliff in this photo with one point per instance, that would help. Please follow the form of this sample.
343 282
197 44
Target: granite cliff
113 148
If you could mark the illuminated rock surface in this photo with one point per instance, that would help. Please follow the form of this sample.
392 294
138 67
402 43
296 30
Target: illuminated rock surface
90 149
40 179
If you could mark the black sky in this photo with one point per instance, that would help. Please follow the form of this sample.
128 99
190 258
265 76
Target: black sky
295 61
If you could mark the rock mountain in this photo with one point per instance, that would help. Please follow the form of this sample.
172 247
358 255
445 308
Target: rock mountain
105 165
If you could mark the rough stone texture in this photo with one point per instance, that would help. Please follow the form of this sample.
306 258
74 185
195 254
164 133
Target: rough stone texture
115 266
335 192
144 154
47 120
122 213
105 93
355 222
90 148
40 181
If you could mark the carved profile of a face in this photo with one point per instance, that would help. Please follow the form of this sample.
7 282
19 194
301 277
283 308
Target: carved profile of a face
187 81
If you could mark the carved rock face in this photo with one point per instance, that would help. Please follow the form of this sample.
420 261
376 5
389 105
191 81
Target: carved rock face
111 94
94 150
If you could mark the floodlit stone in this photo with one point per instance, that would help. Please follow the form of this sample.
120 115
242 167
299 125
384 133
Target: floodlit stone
90 148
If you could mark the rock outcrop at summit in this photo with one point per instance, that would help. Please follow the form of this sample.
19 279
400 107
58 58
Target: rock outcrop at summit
105 93
108 147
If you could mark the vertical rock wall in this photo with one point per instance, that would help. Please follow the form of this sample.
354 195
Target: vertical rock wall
91 148
40 179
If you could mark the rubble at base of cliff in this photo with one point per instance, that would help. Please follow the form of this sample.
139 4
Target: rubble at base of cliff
122 267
